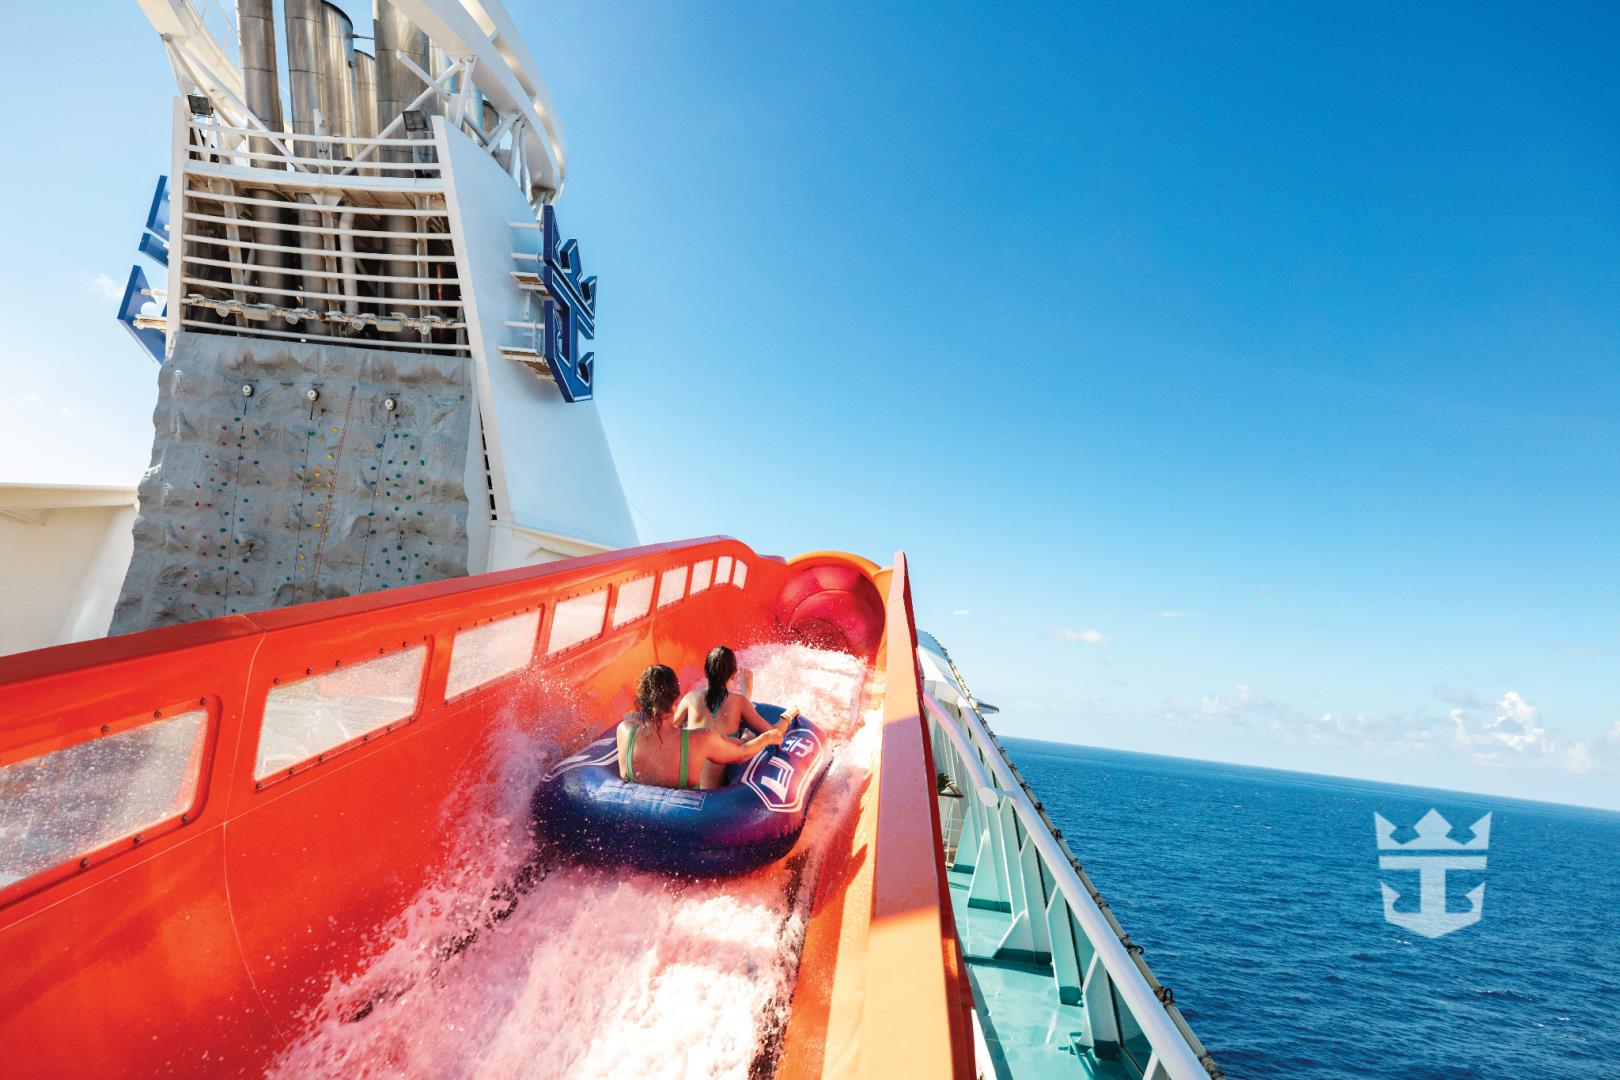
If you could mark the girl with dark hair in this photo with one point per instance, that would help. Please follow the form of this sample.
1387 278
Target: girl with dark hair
654 750
720 705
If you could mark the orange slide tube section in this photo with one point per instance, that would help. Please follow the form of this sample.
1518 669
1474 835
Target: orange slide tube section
192 942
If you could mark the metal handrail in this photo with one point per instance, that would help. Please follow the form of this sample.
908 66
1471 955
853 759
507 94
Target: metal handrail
987 790
1171 1050
340 140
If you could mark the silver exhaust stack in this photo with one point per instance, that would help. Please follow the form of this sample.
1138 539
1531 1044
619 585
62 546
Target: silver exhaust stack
365 95
304 92
303 69
397 87
335 62
256 26
365 104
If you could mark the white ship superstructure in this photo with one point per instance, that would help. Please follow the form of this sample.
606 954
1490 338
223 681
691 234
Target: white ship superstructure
370 330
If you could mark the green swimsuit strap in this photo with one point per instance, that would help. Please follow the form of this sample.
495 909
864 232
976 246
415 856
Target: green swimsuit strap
630 755
686 738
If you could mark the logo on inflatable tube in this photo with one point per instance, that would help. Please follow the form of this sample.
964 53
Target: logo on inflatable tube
652 798
601 752
780 779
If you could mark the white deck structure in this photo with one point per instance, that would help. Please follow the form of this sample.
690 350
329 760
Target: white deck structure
402 206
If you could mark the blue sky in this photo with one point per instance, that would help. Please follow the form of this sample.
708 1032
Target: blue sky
1242 383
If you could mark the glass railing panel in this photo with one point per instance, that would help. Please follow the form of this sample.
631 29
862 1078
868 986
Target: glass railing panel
1134 1046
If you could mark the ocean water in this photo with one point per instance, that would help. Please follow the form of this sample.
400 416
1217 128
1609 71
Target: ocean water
1255 894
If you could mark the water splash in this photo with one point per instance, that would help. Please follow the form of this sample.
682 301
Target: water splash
505 968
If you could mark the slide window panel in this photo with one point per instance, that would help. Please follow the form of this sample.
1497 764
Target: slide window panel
482 654
634 600
577 619
311 716
671 586
63 804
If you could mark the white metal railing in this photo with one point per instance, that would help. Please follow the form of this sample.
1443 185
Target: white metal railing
262 290
281 204
274 242
322 230
1020 865
353 158
338 140
218 20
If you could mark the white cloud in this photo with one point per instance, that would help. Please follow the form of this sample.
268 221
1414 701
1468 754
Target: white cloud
1088 636
1242 711
104 285
1516 728
961 611
1592 755
1396 733
1504 731
1241 698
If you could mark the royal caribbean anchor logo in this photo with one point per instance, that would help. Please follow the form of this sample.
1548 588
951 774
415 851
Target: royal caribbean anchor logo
1433 854
782 780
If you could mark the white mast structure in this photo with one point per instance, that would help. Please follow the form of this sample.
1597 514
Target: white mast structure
371 370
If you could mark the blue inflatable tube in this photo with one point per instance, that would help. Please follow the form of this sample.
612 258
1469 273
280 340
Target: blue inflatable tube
754 819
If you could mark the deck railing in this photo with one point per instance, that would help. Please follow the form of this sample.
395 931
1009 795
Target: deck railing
1020 865
319 238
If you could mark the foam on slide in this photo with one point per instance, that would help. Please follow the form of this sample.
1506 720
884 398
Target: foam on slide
596 972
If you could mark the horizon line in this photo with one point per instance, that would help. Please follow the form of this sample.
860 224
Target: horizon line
1614 810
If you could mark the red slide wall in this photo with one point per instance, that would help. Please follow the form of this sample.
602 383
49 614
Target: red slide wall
193 946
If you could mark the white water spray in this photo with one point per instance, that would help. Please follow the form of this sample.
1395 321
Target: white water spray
595 971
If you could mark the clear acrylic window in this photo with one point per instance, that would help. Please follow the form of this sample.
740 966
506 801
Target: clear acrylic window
577 619
671 586
634 600
68 802
312 716
483 654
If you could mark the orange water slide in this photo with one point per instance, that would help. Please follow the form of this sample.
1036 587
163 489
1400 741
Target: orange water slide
202 825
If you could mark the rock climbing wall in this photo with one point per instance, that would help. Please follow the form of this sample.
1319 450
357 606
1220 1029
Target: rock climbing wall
284 473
